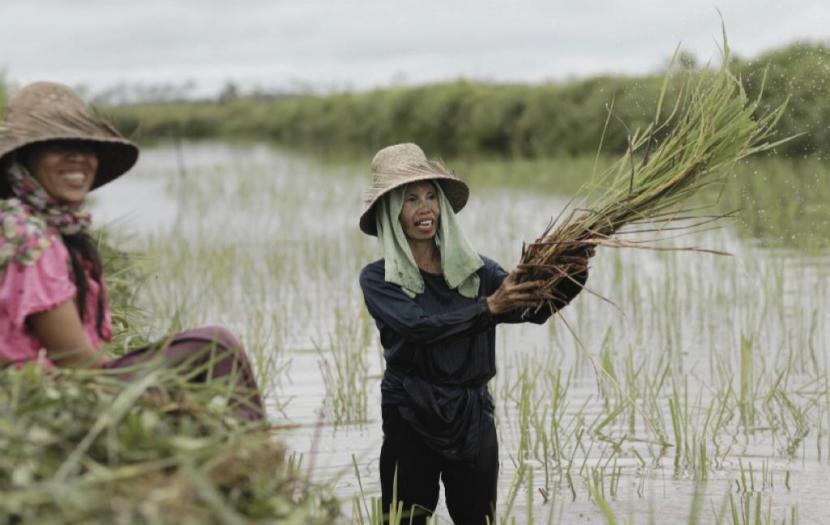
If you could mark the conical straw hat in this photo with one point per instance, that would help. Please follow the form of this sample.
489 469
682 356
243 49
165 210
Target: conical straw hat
402 164
45 111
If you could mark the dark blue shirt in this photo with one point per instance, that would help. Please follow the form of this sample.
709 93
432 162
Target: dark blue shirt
440 351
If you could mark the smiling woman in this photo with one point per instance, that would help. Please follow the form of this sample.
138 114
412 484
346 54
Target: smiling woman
66 169
53 300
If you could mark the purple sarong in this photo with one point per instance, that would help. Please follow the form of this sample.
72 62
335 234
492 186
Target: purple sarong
217 351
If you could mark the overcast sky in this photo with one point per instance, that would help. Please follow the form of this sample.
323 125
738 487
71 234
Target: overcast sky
365 43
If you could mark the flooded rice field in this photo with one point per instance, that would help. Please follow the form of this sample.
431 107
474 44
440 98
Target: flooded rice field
682 383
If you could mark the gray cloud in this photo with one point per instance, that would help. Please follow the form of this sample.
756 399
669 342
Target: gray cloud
363 43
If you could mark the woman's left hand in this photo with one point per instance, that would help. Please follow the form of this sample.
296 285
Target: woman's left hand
512 294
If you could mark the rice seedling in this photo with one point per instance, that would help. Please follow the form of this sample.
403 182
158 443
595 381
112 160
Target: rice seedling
344 367
696 508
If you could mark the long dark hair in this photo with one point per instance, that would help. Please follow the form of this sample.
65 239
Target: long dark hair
5 187
82 248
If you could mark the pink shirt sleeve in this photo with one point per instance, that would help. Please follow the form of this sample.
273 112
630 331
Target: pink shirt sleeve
29 289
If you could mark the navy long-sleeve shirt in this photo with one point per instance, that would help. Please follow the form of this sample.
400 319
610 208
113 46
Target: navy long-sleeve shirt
440 352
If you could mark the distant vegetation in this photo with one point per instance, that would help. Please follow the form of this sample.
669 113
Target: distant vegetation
508 120
2 97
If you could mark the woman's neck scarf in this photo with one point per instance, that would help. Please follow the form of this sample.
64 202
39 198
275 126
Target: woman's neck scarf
459 261
67 218
24 218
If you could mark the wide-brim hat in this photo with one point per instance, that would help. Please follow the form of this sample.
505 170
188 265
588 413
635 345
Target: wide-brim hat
47 111
403 164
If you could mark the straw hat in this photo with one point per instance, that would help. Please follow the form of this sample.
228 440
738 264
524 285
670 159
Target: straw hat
45 111
402 164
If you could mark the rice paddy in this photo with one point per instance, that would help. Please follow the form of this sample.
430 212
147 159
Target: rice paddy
698 394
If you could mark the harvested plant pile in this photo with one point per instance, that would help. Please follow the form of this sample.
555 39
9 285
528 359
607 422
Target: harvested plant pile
85 447
712 125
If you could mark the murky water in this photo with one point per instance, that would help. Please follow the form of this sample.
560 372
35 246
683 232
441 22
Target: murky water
266 242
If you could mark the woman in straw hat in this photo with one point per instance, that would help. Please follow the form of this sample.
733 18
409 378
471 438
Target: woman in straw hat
53 302
436 303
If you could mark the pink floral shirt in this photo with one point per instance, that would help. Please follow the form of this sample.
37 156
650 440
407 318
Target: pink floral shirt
26 289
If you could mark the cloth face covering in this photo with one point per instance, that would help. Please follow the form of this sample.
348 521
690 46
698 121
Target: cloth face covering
459 260
24 217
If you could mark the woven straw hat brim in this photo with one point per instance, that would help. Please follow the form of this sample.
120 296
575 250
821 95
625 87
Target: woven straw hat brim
455 189
115 156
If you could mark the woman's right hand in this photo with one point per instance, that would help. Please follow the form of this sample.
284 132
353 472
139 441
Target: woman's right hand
512 294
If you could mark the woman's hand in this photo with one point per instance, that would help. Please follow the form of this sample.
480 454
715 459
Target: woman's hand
512 294
581 256
590 251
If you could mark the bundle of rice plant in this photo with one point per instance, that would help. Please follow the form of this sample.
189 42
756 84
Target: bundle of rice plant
711 126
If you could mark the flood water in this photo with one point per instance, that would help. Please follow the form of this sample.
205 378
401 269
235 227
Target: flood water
266 242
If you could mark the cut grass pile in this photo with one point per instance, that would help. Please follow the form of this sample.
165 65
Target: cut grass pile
83 447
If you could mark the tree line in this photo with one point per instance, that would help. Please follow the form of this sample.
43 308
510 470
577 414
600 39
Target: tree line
510 120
